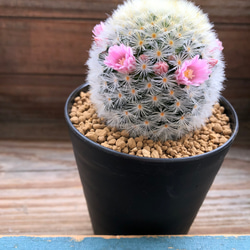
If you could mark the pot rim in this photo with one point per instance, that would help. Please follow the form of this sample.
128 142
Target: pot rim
98 146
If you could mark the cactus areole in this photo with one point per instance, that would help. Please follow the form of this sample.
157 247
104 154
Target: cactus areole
156 68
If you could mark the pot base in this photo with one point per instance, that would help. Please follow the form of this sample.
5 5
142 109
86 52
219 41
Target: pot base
130 195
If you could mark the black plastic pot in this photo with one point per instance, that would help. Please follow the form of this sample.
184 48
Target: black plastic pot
131 195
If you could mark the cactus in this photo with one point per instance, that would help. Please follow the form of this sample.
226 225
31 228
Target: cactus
155 68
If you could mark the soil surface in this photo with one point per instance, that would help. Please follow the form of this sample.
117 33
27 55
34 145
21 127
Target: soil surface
214 134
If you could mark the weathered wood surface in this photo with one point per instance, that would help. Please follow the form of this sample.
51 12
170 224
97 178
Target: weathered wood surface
236 242
44 46
41 193
60 47
33 107
220 11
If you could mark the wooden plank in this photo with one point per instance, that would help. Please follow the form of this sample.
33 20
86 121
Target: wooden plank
40 190
91 9
21 96
235 55
60 46
57 130
237 242
219 11
36 157
32 106
237 92
41 193
35 97
35 130
243 138
44 46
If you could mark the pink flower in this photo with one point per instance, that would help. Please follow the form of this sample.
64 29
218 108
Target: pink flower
121 59
218 46
160 68
212 62
97 32
98 29
143 57
193 72
98 40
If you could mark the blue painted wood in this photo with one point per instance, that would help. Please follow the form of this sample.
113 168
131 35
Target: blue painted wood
98 243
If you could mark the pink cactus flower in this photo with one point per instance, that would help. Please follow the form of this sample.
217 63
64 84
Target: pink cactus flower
98 41
171 58
121 59
160 68
212 62
218 46
143 57
96 33
98 29
193 72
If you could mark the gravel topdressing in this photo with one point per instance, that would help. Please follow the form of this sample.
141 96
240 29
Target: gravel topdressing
214 134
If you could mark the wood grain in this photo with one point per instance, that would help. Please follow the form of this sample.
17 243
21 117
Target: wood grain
61 47
44 46
48 94
41 193
32 106
219 11
35 97
40 190
77 9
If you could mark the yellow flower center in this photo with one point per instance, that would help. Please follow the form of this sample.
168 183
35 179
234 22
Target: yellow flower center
133 91
149 85
171 42
158 53
144 66
153 35
155 98
164 80
189 74
141 43
121 61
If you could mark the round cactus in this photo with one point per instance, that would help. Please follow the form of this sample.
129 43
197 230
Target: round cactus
155 68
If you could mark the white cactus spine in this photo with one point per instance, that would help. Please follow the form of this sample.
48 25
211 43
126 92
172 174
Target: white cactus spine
145 102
